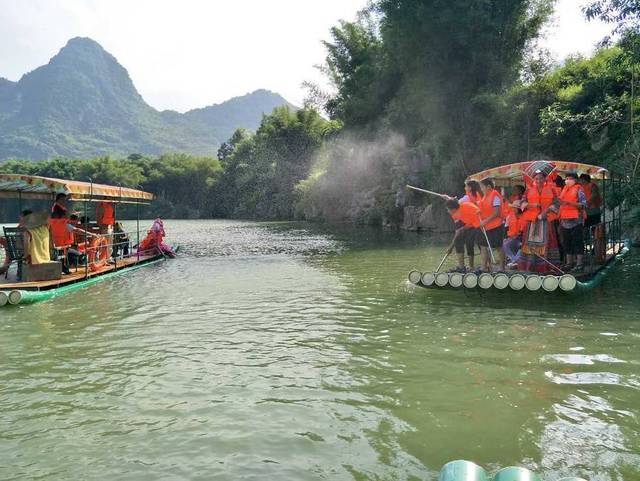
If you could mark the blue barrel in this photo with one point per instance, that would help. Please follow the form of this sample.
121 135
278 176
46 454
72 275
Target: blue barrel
514 473
462 470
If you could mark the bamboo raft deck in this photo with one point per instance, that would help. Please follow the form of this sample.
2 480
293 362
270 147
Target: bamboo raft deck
13 293
77 275
518 281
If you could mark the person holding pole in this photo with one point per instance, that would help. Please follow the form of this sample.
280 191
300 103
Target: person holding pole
466 216
491 225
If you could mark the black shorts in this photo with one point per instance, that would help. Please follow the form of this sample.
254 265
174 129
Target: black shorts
572 240
466 238
495 235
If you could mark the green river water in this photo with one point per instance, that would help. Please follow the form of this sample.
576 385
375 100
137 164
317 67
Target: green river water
297 352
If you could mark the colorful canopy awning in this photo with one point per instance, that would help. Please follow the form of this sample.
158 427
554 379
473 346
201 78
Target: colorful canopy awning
35 187
515 172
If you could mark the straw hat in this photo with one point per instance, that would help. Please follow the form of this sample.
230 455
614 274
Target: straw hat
35 219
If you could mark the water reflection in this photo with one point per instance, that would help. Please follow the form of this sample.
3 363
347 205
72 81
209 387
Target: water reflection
287 351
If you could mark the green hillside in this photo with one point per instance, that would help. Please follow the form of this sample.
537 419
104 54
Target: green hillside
83 104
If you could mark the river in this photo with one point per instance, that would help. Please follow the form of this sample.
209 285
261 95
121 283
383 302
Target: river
284 351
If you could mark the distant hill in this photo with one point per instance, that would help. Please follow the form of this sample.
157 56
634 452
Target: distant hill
83 103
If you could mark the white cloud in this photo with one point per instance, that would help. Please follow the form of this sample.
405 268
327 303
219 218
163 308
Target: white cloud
191 53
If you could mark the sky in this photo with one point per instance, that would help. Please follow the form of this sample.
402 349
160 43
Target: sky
192 53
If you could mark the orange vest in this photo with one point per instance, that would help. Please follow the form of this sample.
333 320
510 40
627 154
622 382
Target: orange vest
544 199
569 194
486 209
515 225
468 214
475 199
61 236
104 213
587 194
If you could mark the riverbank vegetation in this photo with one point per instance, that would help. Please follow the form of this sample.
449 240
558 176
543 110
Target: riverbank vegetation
422 91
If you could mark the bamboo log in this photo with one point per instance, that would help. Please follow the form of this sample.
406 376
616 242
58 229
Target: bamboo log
550 283
533 282
415 276
516 282
428 279
15 297
462 470
4 298
470 280
501 281
567 282
514 473
485 280
455 279
442 279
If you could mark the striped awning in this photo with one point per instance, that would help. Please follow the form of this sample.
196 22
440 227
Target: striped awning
516 171
35 187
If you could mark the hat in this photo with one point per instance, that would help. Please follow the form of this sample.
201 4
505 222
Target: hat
35 219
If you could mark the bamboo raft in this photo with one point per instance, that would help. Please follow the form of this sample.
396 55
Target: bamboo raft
19 289
515 281
14 293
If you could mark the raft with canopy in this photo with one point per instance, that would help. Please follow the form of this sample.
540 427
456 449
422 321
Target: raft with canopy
101 255
604 247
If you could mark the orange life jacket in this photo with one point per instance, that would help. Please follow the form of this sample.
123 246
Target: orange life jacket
544 199
486 209
468 214
569 193
515 224
587 188
61 236
474 199
104 213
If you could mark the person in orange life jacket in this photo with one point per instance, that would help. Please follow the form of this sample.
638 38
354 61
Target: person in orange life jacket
466 216
572 204
491 215
558 183
105 218
539 240
515 225
594 200
472 192
79 234
517 193
59 208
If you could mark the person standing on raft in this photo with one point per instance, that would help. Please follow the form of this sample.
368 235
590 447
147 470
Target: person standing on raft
539 241
59 208
466 216
572 206
492 224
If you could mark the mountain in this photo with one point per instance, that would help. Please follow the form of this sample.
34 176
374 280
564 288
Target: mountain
83 104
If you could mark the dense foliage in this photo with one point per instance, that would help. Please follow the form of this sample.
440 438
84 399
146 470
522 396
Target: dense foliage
254 178
446 88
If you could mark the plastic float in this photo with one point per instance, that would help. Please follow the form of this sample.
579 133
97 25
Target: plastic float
462 470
